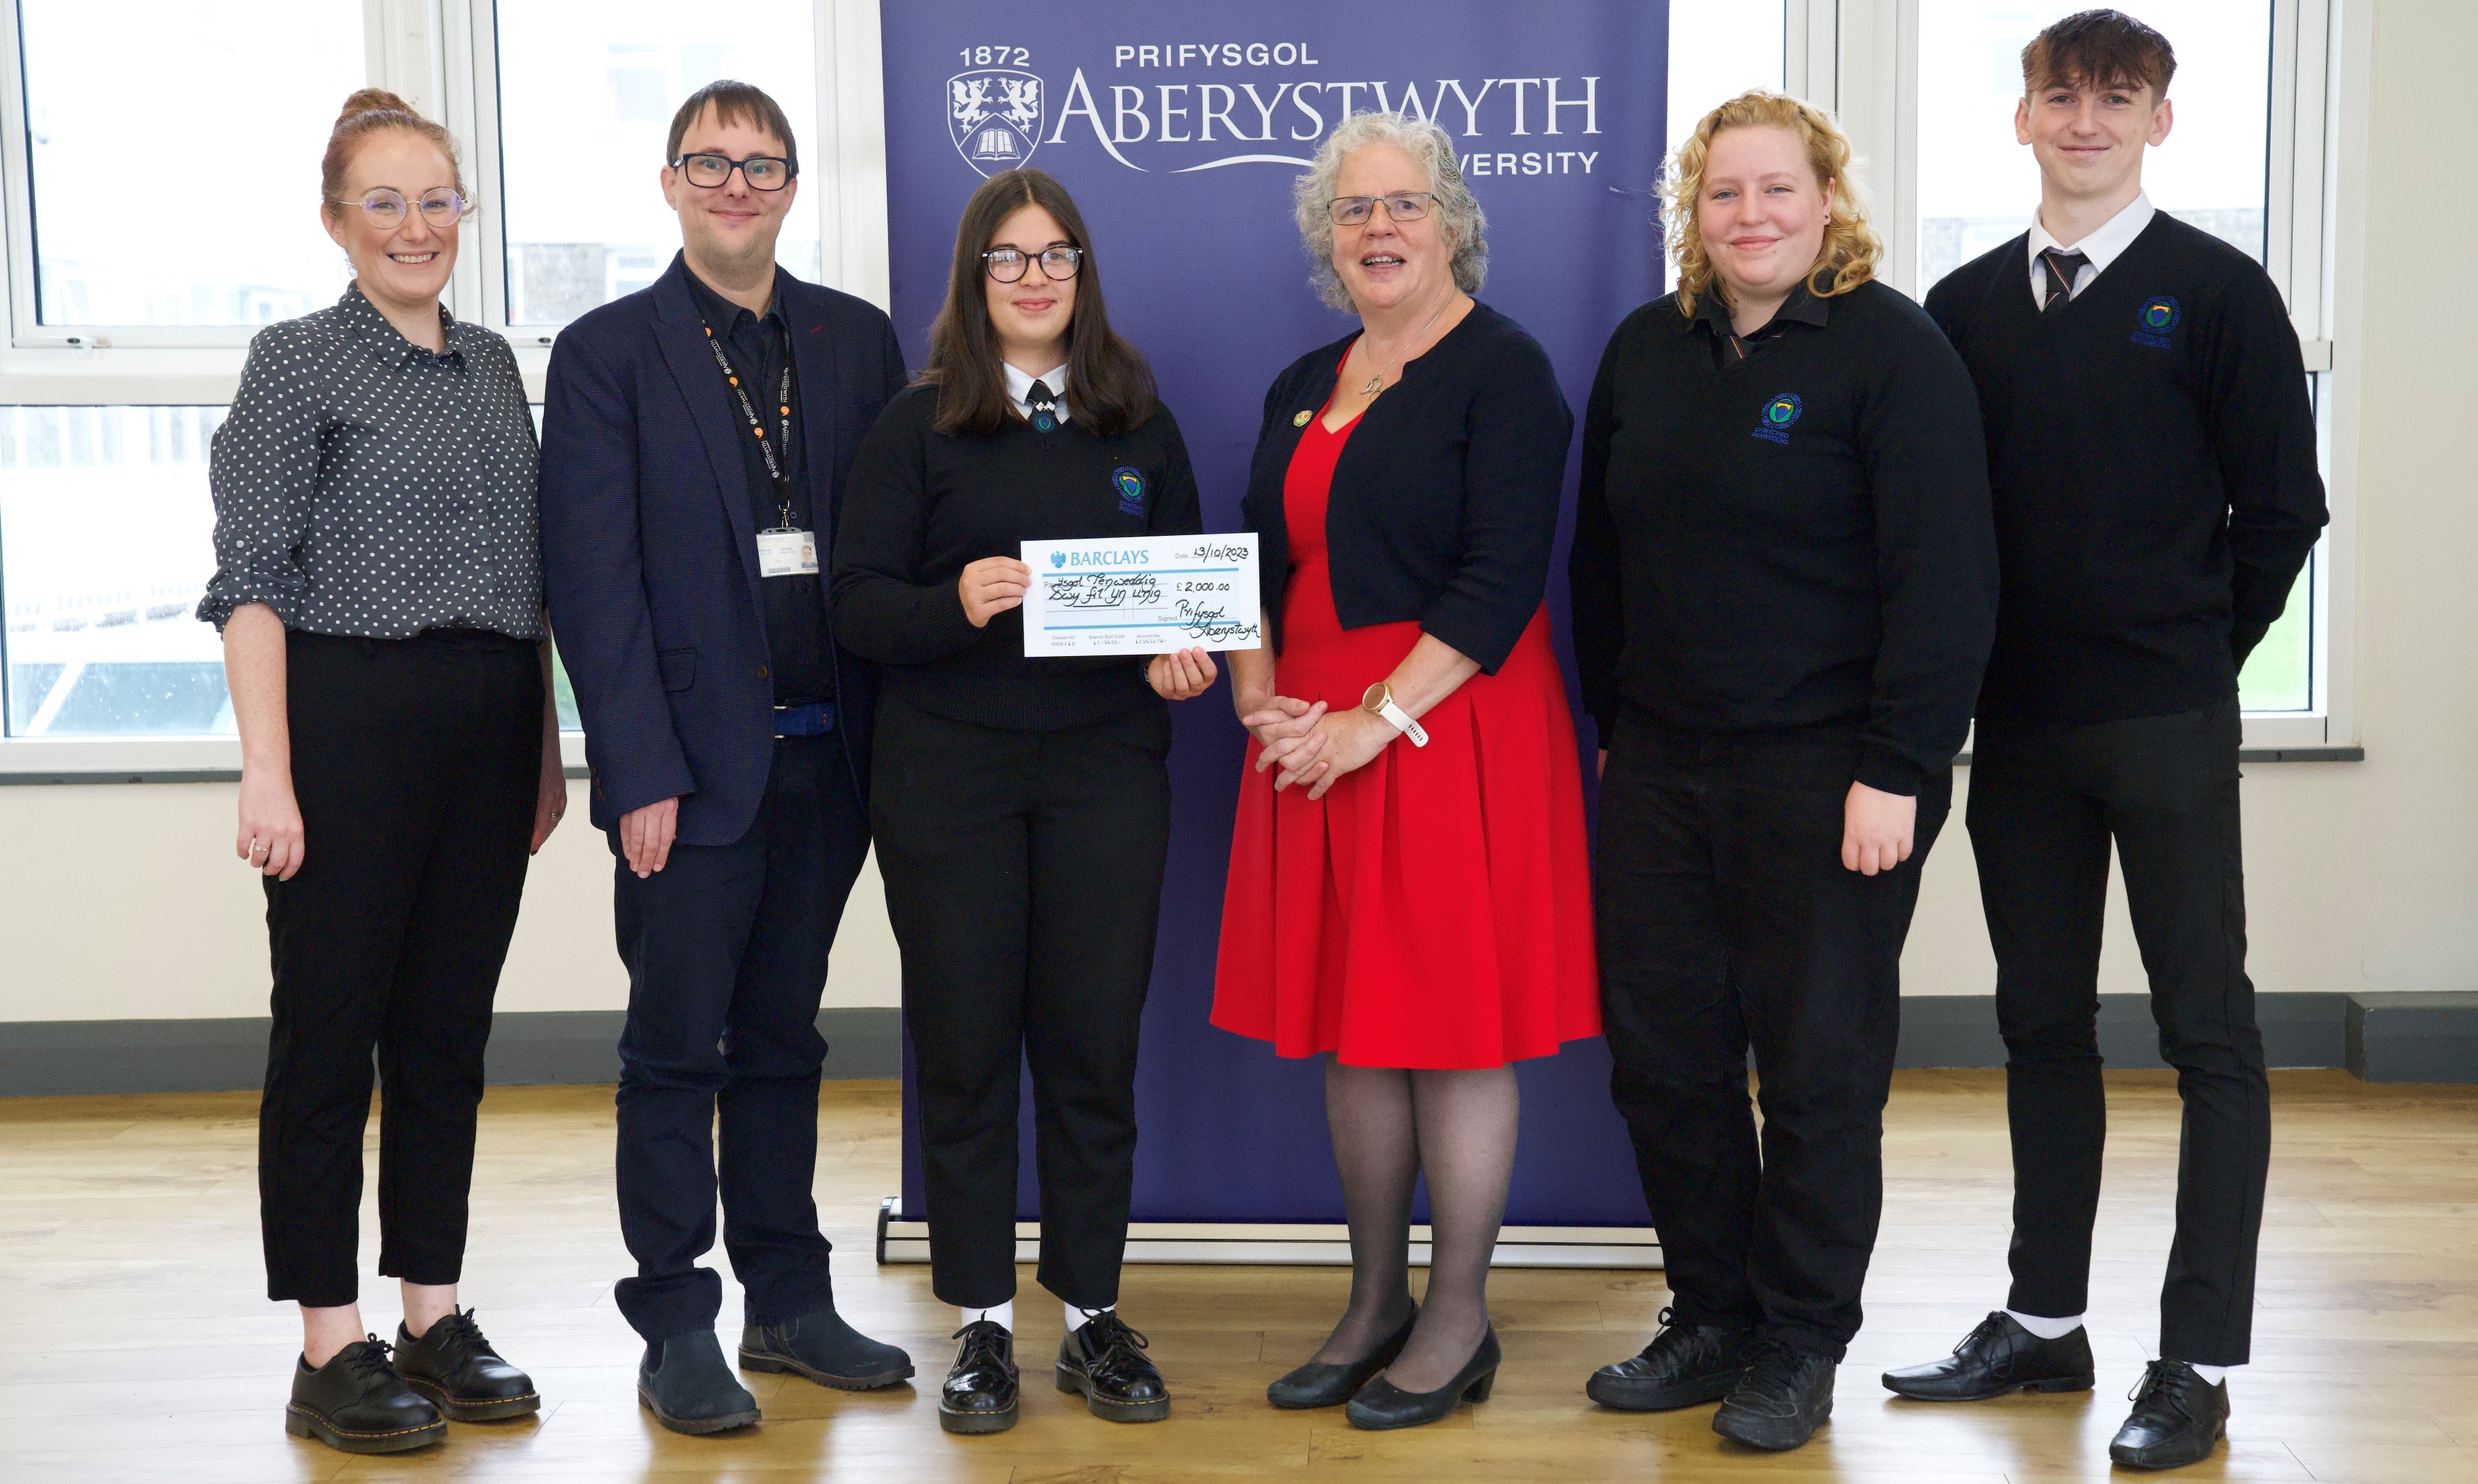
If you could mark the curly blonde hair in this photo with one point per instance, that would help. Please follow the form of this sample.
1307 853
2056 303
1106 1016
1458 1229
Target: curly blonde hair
1851 248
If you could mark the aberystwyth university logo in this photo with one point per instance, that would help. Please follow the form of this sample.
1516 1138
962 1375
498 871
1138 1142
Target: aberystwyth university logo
993 114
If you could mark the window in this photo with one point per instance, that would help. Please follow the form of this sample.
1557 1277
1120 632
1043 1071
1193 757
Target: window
582 136
1716 51
173 151
105 545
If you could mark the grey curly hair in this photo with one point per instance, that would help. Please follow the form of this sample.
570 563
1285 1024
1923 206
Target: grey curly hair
1458 214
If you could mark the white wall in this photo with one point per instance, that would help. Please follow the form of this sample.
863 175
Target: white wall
120 901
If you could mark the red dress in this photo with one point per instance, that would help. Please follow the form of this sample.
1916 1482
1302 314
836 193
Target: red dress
1433 909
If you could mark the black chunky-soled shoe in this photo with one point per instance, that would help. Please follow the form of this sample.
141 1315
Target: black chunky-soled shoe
1313 1384
1998 1357
1685 1366
461 1374
1782 1397
1383 1406
685 1384
826 1349
1105 1360
356 1404
981 1387
2178 1419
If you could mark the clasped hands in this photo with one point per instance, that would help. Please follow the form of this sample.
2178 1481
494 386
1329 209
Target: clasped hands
1313 745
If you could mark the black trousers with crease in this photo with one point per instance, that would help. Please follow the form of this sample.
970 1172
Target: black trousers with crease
416 764
1728 922
2045 804
1023 875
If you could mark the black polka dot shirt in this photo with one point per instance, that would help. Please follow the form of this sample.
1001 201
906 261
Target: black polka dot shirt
366 487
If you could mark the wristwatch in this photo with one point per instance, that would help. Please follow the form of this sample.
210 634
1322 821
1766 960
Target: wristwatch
1379 700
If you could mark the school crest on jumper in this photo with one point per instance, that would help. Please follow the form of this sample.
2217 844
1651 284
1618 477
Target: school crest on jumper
1779 417
1130 485
993 114
2157 315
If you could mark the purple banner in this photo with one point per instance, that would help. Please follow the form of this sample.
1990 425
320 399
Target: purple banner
1180 129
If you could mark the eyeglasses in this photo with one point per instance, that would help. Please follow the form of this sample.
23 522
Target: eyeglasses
1401 206
762 172
1058 265
440 207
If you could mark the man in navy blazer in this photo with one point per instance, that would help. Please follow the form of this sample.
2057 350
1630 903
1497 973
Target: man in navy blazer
696 436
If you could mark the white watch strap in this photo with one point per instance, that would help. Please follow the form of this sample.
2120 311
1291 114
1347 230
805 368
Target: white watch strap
1404 723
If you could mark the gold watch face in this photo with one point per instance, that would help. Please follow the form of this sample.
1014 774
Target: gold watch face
1376 697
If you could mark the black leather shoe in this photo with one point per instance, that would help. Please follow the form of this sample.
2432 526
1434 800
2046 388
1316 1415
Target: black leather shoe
685 1384
356 1404
1783 1396
1383 1406
1331 1386
2178 1419
1685 1366
979 1394
1105 1360
461 1374
1998 1357
826 1349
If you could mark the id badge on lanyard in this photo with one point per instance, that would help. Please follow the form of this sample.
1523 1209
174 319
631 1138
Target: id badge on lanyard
784 550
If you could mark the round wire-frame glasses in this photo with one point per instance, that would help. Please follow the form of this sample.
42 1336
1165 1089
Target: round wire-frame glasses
441 206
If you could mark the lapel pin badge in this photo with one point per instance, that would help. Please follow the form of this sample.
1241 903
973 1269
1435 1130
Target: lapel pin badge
1301 420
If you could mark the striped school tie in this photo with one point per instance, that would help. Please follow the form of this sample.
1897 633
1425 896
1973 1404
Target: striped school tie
2063 268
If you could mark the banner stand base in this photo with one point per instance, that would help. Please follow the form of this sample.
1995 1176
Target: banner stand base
1302 1243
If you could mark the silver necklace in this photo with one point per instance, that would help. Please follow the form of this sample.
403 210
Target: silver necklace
1375 384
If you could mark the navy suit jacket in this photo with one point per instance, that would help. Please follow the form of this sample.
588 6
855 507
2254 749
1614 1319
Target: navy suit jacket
650 546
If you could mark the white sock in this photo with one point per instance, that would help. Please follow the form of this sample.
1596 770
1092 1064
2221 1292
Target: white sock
1003 1316
2044 1327
1077 1317
2212 1376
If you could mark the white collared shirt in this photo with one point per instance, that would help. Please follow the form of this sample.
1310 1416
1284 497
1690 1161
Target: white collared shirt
2102 246
1019 385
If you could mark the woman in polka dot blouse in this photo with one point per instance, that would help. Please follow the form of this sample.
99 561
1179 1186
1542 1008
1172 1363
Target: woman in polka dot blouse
379 589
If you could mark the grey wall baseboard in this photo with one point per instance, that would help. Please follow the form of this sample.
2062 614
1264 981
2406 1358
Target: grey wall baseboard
2413 1038
42 1058
1959 1030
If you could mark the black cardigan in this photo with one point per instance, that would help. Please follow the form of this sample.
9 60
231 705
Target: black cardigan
1445 500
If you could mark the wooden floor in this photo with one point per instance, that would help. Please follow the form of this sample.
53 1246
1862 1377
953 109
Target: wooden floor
135 1344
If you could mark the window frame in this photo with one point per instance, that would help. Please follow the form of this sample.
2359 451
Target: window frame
1855 58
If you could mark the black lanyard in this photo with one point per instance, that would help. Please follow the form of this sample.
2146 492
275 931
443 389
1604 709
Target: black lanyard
773 466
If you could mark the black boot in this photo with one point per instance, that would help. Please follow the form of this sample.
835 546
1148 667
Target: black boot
461 1374
1998 1357
1785 1394
1313 1384
685 1384
1381 1405
981 1387
356 1404
2177 1418
1685 1366
826 1349
1105 1360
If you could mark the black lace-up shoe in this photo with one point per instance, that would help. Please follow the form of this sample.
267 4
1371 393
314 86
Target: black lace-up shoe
1685 1366
1998 1357
685 1384
2178 1419
461 1374
1783 1396
1105 1360
356 1404
826 1349
1315 1385
979 1394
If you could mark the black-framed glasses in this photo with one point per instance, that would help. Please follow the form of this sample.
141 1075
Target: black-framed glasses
1058 265
440 206
763 172
1401 206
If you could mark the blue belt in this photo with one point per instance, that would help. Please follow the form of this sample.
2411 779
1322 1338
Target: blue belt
815 720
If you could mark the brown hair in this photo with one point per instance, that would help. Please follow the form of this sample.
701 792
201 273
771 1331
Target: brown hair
733 103
2099 49
369 111
1109 383
1851 248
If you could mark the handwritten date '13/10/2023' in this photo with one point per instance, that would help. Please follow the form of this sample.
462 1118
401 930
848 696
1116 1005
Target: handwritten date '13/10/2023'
1142 595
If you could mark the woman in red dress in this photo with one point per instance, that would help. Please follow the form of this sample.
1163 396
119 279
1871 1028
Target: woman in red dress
1409 890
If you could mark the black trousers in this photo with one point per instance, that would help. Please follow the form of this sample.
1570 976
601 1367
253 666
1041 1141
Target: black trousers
726 952
416 764
1024 874
2045 802
1727 921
